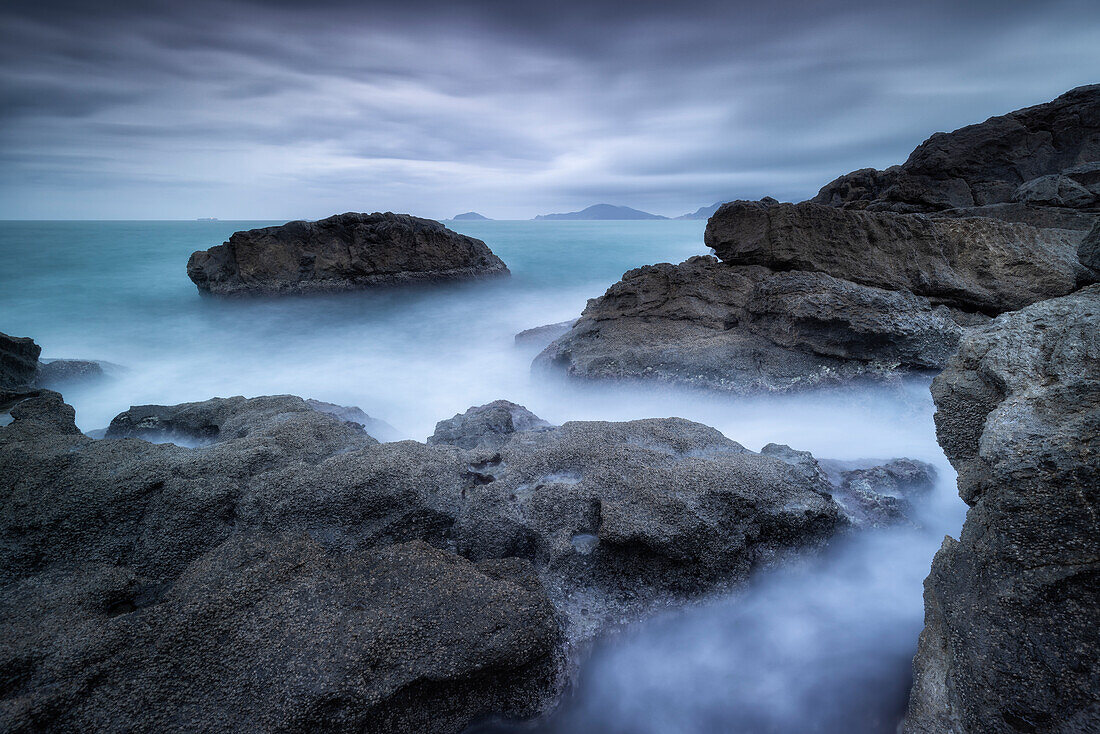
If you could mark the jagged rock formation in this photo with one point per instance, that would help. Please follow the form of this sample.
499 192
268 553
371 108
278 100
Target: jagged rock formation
1047 155
18 367
746 328
820 293
344 252
293 574
1012 608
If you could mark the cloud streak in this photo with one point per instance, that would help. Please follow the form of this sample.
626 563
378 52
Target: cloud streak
277 109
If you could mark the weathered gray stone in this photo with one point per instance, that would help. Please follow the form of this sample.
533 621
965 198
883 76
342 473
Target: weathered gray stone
486 426
747 328
344 252
1012 608
974 264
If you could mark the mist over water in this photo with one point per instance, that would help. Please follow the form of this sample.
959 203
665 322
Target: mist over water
823 645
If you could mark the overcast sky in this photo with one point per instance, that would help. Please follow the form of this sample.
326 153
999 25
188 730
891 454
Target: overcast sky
279 110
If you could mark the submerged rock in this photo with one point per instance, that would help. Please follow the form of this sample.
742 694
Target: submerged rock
543 335
744 328
61 373
1012 608
344 252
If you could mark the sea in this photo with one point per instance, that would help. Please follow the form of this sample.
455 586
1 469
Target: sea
824 645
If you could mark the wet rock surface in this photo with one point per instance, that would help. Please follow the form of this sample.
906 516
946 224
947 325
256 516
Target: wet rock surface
293 574
1012 608
18 367
344 252
746 328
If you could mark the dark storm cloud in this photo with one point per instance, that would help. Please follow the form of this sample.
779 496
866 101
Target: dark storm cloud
274 109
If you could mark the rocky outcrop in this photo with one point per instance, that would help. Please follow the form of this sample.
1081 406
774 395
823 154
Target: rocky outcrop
1012 608
344 252
975 264
219 419
486 426
18 367
1046 154
745 328
60 373
540 336
293 574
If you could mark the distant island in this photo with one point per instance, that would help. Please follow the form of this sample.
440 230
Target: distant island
206 219
703 212
602 211
470 217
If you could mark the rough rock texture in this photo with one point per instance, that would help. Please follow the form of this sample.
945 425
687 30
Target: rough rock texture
542 335
1088 252
58 373
988 162
1012 608
744 328
344 252
376 427
192 424
486 426
975 264
18 361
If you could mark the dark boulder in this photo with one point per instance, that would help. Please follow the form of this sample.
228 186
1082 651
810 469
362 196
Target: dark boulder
746 328
1012 608
486 426
60 373
988 162
975 264
344 252
18 362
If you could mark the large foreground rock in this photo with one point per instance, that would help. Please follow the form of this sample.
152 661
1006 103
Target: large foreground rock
292 574
1041 155
1012 608
744 328
344 252
976 264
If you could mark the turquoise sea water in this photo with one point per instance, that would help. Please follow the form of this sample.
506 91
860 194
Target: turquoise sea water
824 648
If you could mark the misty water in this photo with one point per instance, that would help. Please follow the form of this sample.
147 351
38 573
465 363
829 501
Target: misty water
822 645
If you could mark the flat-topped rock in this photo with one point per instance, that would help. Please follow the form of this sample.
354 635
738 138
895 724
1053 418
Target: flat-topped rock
975 264
344 252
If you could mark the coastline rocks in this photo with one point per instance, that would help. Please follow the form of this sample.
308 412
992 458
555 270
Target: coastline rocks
261 565
60 373
1012 608
543 335
18 367
344 252
988 163
486 426
744 328
219 419
975 264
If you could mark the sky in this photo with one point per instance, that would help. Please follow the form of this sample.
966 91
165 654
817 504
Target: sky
272 109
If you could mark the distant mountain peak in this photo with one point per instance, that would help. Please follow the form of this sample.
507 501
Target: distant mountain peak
602 211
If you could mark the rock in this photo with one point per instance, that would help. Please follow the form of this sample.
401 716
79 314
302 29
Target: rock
18 362
871 496
542 335
1088 252
1042 217
1012 608
272 633
1054 190
58 373
486 426
376 427
219 419
280 576
973 264
344 252
981 164
746 328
